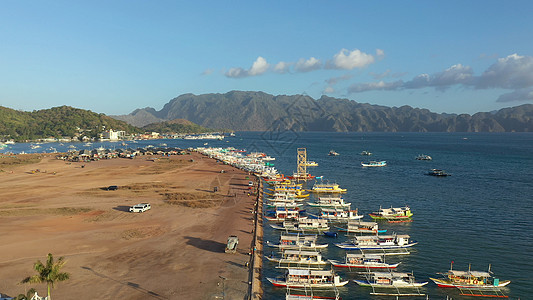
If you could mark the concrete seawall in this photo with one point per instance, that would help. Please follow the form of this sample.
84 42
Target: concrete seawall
256 288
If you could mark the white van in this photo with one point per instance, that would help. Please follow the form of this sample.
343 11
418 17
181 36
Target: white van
141 207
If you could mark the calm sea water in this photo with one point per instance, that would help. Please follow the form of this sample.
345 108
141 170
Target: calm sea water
481 215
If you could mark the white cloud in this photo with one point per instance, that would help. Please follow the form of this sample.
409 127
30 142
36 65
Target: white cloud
259 67
308 65
282 67
335 80
208 72
380 53
511 72
350 60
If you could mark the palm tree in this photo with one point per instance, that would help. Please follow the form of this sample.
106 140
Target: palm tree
49 273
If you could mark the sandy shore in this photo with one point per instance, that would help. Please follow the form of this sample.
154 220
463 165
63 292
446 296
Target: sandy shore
173 251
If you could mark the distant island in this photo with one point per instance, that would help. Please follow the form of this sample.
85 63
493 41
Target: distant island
258 111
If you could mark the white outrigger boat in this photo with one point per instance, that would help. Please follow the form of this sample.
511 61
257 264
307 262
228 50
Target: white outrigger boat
282 214
302 278
363 261
303 225
359 226
337 202
374 163
378 242
297 241
339 215
298 259
390 280
281 204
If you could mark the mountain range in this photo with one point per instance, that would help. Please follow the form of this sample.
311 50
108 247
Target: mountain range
258 111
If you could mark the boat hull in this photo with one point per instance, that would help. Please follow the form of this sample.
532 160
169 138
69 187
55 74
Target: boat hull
363 266
394 286
373 247
281 283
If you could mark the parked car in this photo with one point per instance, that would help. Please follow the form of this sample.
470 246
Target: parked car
250 183
231 246
112 188
141 207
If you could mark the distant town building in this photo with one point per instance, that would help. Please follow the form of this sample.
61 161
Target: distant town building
111 135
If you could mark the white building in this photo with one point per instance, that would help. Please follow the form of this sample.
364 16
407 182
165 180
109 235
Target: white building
111 135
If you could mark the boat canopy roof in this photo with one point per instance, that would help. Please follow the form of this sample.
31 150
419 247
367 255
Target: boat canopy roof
390 274
469 273
361 223
298 252
360 255
298 238
303 272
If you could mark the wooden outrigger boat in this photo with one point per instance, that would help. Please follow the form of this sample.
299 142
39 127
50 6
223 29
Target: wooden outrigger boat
358 226
337 202
283 197
393 214
282 204
390 280
378 242
282 214
339 215
303 242
300 278
327 188
305 225
298 259
293 193
363 261
469 280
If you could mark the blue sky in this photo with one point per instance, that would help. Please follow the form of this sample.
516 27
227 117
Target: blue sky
115 56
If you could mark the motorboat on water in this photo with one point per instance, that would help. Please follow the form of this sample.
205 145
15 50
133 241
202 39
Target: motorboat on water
374 163
327 188
423 157
337 202
282 214
333 153
366 153
438 173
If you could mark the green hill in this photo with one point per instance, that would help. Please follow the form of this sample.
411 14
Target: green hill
57 122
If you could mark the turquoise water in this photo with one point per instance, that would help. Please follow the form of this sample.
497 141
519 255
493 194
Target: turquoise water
480 215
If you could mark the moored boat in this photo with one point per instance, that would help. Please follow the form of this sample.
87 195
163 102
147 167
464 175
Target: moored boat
378 242
393 214
337 202
298 259
282 214
390 280
363 261
327 188
339 214
305 225
469 280
359 226
297 278
366 153
303 242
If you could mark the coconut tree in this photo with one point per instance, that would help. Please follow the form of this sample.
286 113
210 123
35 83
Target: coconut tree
49 273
